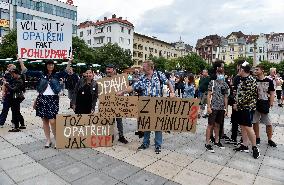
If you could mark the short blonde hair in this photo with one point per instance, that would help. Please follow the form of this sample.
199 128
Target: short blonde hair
150 63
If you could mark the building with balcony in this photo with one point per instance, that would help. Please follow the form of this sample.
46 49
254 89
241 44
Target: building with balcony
276 47
209 48
259 43
233 47
51 10
145 47
113 30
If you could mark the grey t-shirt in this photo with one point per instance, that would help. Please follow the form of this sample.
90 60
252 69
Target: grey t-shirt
220 89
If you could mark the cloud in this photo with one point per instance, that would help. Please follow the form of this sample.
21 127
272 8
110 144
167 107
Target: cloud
195 19
191 19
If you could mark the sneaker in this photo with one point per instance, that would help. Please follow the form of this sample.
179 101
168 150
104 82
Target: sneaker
225 137
142 147
271 143
219 145
280 105
212 139
14 130
257 141
48 145
122 140
209 148
255 152
157 149
242 148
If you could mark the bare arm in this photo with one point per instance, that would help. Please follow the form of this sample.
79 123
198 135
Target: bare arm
272 95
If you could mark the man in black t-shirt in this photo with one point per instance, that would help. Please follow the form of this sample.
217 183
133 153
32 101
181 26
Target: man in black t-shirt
266 94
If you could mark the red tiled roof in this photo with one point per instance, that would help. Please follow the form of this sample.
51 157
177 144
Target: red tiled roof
251 38
215 39
86 24
239 34
119 20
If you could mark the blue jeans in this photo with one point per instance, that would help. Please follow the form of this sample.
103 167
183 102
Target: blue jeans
158 138
5 110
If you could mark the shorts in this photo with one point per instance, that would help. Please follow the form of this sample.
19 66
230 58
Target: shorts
245 117
262 118
278 94
217 116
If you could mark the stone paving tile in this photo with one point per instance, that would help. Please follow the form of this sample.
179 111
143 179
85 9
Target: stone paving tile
273 162
215 158
220 182
247 157
171 183
178 159
96 178
236 176
83 153
275 153
140 160
57 162
164 169
43 153
74 171
193 151
46 179
9 152
205 167
150 151
100 161
271 173
120 152
145 178
261 181
4 145
120 170
15 161
25 172
5 179
245 166
23 140
29 147
188 177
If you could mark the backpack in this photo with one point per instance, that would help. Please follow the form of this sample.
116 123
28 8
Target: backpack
70 82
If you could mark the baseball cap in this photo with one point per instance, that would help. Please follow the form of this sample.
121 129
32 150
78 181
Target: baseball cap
110 66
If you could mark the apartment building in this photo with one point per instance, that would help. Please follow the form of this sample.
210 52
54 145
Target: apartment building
259 43
276 47
112 30
209 48
52 10
145 46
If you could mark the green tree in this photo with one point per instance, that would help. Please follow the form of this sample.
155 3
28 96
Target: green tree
112 53
81 51
172 64
8 48
193 63
159 62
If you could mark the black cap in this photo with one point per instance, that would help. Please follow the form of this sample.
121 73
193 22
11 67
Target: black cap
16 71
110 66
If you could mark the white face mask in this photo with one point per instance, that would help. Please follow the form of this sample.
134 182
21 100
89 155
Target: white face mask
220 77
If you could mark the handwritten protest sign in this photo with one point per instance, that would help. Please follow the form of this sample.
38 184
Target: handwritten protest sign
167 114
112 85
83 131
118 106
44 40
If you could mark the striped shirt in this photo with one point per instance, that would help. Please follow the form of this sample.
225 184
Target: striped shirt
150 87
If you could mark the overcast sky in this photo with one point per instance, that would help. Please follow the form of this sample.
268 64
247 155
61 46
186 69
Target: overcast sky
190 19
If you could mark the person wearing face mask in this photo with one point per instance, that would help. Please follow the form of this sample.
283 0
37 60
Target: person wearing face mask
217 101
86 90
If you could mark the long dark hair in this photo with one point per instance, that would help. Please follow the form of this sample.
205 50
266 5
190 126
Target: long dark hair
45 67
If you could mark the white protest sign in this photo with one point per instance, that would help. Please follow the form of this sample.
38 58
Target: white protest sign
44 39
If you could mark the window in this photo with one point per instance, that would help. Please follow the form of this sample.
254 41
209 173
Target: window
231 48
129 31
89 32
146 48
251 49
121 40
109 39
81 34
109 29
122 29
129 41
156 51
224 57
100 40
89 42
260 49
100 30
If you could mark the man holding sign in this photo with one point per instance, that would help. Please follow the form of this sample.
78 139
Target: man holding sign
150 84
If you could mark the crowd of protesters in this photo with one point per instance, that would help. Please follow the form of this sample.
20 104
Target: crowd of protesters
250 94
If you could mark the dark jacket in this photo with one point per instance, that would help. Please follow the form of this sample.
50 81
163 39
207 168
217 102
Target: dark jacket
52 80
203 84
16 88
94 91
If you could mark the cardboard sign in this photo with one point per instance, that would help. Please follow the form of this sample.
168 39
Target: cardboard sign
44 40
167 114
118 106
112 85
4 23
83 131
